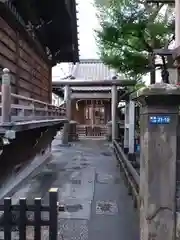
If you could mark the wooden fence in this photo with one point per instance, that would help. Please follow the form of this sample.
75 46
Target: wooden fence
91 131
16 216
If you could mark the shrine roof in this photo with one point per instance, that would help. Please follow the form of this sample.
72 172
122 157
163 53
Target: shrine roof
92 69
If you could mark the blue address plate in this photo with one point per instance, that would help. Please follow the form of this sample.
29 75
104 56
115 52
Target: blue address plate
159 119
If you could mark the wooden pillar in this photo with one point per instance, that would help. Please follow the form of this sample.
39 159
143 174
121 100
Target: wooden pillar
158 158
66 129
114 111
107 111
131 137
50 86
6 97
126 128
68 102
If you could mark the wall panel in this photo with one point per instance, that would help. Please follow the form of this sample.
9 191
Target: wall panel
31 74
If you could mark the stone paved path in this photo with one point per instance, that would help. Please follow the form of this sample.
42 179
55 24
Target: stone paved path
89 183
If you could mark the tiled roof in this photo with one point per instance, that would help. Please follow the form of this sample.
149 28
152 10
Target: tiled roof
92 69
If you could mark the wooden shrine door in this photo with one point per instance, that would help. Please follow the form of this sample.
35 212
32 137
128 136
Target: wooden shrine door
95 118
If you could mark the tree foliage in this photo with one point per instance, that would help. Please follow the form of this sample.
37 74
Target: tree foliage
130 31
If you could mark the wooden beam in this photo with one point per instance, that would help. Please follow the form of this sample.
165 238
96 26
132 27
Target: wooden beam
102 83
91 95
163 52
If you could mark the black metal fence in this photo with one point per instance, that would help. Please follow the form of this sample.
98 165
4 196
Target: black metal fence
15 217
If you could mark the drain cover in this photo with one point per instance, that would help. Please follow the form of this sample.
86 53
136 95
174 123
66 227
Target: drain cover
106 207
73 208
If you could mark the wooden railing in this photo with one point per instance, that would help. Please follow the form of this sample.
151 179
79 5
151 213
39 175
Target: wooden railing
131 176
32 109
27 109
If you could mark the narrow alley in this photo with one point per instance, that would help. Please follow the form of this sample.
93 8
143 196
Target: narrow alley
91 188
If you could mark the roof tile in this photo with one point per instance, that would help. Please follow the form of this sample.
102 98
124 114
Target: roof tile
93 69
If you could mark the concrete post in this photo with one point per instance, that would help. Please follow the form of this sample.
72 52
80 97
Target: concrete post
158 122
131 137
126 128
114 111
6 96
67 98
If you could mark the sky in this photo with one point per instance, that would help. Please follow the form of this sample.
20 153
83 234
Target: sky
87 44
87 23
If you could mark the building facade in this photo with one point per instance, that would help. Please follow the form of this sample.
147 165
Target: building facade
91 106
34 36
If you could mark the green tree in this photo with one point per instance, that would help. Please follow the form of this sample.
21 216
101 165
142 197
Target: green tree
129 32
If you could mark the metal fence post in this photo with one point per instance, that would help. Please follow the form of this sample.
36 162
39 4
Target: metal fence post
22 218
6 96
7 218
53 214
37 218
